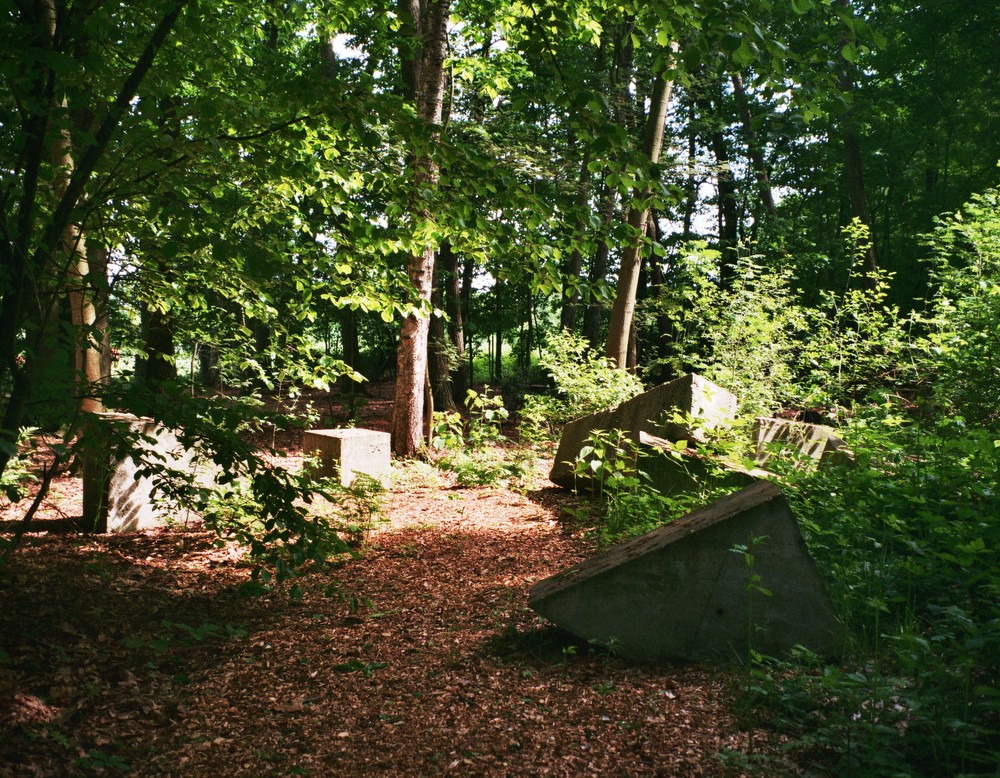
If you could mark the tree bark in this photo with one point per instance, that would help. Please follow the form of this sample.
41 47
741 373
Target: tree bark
424 72
452 284
567 319
623 310
28 259
754 150
853 161
594 316
439 364
73 252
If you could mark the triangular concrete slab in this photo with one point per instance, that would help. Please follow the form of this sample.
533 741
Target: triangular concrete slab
682 592
809 443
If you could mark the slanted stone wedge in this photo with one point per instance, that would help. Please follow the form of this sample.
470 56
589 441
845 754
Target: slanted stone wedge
807 442
647 412
687 592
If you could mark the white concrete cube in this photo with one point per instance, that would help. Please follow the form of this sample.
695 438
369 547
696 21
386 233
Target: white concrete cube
344 453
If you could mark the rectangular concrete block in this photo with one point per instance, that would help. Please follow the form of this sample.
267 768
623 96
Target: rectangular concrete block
116 498
344 453
686 591
809 443
648 412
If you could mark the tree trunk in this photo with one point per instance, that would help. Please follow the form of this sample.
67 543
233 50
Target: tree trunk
853 161
98 258
623 310
600 262
423 72
439 361
468 273
754 150
729 234
452 283
73 251
157 330
571 297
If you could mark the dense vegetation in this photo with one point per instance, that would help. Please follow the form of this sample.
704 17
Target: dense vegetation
206 206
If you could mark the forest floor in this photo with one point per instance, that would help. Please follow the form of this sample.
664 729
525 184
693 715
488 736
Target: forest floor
144 654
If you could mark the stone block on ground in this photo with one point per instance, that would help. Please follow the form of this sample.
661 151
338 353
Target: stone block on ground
806 442
115 497
648 412
681 592
344 453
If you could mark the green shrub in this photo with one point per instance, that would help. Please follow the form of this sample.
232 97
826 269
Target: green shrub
961 353
585 382
909 541
475 451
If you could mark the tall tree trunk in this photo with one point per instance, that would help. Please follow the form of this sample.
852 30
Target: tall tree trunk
157 330
452 282
594 316
571 297
423 70
854 174
98 259
754 150
726 199
728 212
497 371
439 362
73 251
468 273
623 310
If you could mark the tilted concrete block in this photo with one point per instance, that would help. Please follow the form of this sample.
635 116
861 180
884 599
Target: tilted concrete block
344 453
648 412
686 591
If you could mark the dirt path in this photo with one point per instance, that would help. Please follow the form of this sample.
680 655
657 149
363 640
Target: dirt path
143 655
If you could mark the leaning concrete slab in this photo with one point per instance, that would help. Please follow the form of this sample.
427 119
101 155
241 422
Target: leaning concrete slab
809 443
344 453
647 412
683 591
116 498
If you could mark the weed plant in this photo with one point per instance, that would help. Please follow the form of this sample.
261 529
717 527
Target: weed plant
475 450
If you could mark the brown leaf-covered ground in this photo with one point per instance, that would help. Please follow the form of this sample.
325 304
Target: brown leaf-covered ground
145 654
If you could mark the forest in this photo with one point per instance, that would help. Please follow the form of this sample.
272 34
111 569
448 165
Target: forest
467 223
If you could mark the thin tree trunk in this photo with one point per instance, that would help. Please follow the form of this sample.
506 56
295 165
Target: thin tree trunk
423 70
98 258
73 250
594 315
439 363
623 310
456 320
468 272
567 319
853 161
754 150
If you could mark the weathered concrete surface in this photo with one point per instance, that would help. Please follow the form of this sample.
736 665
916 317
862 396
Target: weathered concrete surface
646 412
672 472
681 592
115 497
807 442
344 453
